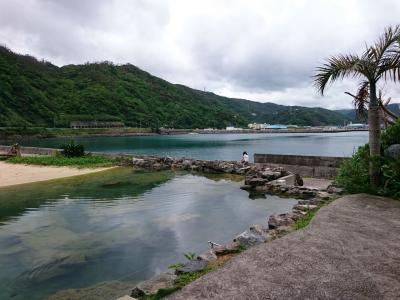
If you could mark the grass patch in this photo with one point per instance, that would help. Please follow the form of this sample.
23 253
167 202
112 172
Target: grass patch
306 219
180 282
186 278
89 161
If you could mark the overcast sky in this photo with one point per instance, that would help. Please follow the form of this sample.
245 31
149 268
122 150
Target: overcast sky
263 50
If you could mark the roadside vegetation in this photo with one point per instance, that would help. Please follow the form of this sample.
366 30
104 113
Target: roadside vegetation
72 155
353 175
378 63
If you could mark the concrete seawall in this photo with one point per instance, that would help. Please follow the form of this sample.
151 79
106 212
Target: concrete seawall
307 166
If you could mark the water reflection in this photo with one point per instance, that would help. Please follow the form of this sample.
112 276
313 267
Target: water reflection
117 226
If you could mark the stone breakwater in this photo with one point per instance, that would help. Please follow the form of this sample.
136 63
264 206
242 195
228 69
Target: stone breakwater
170 163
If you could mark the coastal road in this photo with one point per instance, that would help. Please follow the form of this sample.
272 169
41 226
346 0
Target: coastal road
351 250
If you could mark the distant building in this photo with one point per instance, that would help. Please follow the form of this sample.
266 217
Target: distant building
257 126
277 126
231 128
356 126
96 124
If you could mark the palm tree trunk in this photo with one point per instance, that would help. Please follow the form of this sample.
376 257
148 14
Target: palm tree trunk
374 136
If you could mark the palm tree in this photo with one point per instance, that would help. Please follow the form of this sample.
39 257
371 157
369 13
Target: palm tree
379 61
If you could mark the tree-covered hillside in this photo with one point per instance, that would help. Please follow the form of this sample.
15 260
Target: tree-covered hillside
37 93
352 113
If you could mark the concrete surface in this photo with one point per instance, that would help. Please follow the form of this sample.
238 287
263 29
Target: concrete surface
305 165
317 183
351 250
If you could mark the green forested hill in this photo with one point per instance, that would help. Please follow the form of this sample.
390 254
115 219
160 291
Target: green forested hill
352 114
37 93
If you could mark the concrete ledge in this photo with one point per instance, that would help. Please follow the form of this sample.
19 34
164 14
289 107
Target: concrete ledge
307 166
31 150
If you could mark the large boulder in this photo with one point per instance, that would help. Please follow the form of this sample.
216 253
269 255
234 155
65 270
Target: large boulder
270 175
250 238
151 286
194 265
276 221
393 151
256 181
230 248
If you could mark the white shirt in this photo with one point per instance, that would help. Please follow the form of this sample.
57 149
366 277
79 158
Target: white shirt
245 158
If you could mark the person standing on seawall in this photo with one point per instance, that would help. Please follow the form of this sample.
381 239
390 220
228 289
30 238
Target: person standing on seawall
245 158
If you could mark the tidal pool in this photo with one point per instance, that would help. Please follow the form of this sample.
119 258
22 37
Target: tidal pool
118 226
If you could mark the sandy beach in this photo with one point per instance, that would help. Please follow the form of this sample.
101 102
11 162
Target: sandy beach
13 174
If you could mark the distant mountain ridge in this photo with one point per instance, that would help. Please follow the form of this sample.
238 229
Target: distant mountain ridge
352 115
38 93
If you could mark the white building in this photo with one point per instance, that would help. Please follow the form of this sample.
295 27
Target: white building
231 128
258 126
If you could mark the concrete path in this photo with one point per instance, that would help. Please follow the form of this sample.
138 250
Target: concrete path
351 250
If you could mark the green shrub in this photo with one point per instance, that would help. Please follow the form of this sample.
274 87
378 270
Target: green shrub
391 135
72 150
391 178
353 173
91 161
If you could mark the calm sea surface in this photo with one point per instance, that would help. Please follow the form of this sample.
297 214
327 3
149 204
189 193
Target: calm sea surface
220 146
118 226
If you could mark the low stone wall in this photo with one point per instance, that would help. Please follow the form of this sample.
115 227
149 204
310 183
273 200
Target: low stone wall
31 150
306 166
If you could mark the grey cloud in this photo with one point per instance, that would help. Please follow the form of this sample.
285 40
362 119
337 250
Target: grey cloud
260 50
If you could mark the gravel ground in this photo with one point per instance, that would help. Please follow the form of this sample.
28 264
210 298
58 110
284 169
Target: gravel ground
351 250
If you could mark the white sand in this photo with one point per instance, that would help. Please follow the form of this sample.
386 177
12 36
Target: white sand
13 174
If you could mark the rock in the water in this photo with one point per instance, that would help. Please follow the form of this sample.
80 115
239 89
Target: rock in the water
249 238
393 151
227 249
151 286
194 265
246 187
257 181
280 220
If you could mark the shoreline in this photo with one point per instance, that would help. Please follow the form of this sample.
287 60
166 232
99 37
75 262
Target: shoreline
172 132
17 174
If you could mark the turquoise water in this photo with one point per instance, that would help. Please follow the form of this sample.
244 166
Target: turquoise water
120 225
219 146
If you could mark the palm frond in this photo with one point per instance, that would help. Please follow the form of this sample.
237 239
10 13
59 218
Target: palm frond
386 54
336 67
361 100
385 44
